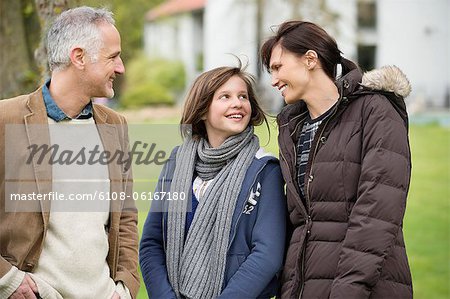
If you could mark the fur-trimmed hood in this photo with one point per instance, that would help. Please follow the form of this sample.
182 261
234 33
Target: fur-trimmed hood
388 78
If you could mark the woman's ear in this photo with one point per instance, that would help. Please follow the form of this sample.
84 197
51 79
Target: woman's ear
311 58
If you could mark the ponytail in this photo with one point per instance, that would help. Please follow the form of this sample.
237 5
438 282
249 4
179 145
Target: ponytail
347 65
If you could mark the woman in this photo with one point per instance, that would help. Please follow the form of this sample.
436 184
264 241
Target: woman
226 240
346 162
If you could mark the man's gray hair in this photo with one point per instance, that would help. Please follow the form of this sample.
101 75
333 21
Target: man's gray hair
77 27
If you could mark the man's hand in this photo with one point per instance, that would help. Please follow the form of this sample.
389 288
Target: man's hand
115 296
26 290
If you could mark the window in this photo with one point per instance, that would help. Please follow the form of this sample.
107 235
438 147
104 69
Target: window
366 57
367 14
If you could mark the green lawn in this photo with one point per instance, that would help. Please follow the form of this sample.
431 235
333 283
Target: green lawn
426 224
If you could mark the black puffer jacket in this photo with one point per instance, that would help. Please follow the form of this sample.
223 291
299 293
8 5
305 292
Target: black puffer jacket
347 241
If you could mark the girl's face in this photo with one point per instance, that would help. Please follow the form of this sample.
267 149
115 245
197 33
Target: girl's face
229 112
290 74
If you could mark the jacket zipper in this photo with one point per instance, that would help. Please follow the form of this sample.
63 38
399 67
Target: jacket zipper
302 270
242 209
308 223
305 212
314 154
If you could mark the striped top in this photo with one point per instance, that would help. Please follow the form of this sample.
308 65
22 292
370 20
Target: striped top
307 134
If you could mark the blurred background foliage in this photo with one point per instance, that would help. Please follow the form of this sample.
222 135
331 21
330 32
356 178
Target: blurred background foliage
129 16
152 82
24 66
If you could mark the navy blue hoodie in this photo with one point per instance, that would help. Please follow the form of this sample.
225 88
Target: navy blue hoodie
257 236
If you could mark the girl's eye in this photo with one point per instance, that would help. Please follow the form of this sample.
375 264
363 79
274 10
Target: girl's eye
243 97
223 97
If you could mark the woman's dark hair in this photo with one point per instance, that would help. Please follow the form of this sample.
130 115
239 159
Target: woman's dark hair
201 95
298 37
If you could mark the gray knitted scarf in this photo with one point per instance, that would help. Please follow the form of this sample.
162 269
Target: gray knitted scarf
196 266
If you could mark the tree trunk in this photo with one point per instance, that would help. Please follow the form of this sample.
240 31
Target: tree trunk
15 64
47 10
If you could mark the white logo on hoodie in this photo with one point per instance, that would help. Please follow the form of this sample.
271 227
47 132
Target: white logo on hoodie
252 200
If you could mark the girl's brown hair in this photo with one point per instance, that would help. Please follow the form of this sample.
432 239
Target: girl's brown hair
201 94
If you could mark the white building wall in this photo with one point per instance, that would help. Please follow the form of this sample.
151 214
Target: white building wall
414 35
230 27
187 47
191 43
198 41
176 38
160 39
345 31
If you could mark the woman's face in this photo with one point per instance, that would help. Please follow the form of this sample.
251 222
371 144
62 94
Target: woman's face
229 113
290 74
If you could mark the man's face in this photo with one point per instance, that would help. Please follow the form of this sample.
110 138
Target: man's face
100 74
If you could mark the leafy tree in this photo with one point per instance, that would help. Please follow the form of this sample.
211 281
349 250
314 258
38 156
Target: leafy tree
153 82
19 36
23 62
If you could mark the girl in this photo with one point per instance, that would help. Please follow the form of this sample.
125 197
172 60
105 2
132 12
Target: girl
347 165
226 240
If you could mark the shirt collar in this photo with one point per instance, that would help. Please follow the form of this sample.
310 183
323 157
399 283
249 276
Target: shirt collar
55 113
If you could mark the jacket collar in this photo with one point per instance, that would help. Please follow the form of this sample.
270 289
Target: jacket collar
349 83
100 116
41 105
36 106
53 110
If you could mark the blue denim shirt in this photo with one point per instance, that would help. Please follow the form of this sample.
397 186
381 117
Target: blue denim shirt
55 113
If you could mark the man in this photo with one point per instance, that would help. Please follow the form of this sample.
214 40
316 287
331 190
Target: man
55 251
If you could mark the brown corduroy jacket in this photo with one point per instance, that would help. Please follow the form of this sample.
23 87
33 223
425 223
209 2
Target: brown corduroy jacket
347 237
22 234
